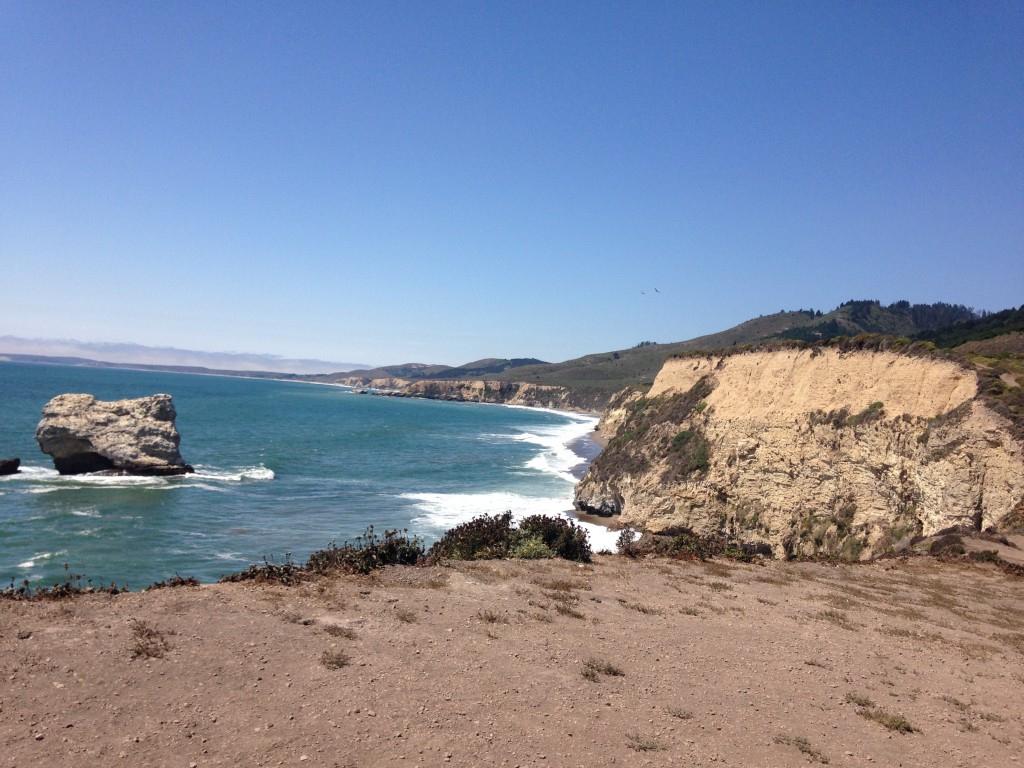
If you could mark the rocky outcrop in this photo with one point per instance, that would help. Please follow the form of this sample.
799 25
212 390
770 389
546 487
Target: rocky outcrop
9 466
136 437
808 451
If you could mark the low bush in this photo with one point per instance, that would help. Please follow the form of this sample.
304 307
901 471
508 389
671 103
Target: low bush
684 544
950 544
563 537
72 586
174 581
487 537
491 537
368 552
532 548
287 573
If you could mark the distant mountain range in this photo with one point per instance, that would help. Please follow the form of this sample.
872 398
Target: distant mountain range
165 358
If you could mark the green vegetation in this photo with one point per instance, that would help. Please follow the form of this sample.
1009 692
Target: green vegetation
684 544
532 548
975 329
368 552
841 417
656 420
691 451
873 412
490 537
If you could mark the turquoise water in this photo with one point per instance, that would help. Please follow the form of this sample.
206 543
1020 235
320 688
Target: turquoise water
281 468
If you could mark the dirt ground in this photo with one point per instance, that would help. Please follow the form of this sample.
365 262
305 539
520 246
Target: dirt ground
543 663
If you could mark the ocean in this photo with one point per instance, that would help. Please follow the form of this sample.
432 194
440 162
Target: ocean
282 468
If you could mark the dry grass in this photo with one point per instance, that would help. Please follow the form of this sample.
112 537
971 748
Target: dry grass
893 722
714 568
490 617
910 634
679 714
567 610
866 708
641 743
859 700
561 585
335 659
804 746
955 702
838 618
405 615
648 610
594 668
1014 640
148 642
336 631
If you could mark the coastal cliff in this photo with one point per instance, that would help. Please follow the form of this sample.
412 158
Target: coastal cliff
808 451
481 391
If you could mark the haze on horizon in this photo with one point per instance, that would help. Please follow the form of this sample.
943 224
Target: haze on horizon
397 182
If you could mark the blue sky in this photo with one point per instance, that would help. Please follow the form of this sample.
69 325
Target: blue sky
389 182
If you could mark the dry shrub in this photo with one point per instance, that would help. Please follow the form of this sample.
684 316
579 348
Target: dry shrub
148 642
333 659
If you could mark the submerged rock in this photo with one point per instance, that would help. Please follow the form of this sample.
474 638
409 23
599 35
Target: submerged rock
9 466
133 437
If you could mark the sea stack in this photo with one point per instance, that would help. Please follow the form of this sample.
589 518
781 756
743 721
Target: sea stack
131 437
9 466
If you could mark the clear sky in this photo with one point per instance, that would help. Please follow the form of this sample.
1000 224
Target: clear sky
436 181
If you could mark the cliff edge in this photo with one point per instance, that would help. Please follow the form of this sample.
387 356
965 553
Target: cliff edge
808 451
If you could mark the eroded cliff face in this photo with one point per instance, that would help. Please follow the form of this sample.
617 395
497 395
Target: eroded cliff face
810 452
482 391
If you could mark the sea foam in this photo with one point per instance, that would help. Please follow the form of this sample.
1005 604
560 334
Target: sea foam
35 480
440 511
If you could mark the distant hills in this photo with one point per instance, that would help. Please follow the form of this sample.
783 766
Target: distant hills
608 372
980 329
74 352
478 369
594 377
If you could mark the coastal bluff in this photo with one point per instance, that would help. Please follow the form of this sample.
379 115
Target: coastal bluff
480 391
809 452
134 437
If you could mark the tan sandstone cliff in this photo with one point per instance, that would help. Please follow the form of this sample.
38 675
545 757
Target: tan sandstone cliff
483 391
808 451
480 391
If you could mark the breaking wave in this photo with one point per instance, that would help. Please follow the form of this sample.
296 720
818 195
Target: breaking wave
35 480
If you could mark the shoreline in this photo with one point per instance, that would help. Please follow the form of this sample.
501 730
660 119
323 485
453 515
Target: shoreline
563 447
